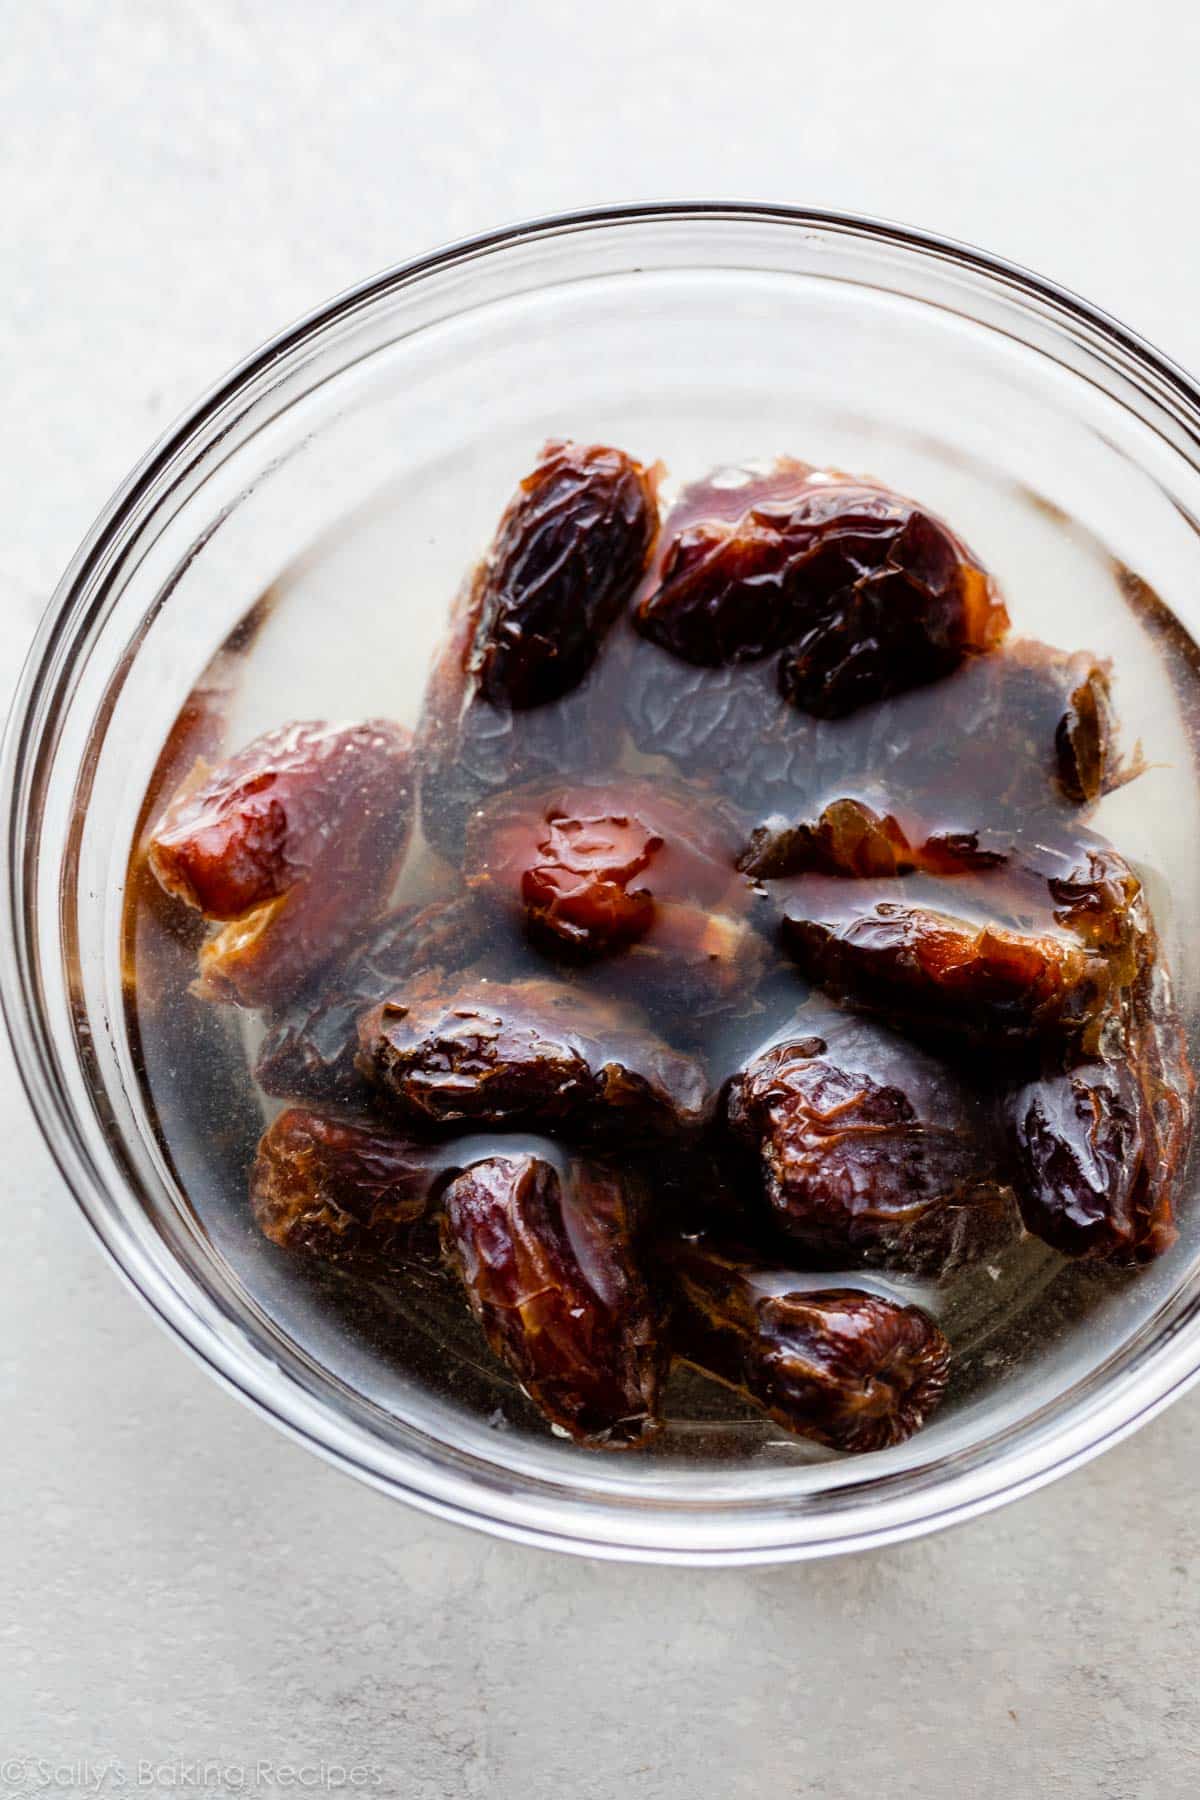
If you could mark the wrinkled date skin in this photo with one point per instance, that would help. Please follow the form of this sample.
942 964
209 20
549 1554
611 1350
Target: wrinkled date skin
310 1048
341 1188
1032 727
854 837
568 554
1033 948
296 842
1064 869
527 1053
1099 1144
717 590
871 1150
600 868
547 1255
761 891
915 952
729 727
865 594
846 1368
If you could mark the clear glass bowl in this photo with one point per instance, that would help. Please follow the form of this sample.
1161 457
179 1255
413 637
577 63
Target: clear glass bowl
334 488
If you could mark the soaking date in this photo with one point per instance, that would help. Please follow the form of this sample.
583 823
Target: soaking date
1065 868
1099 1141
1085 755
865 594
341 1188
930 956
469 749
310 1048
851 836
592 868
886 600
717 590
547 1254
527 1053
569 553
296 842
872 1151
846 1368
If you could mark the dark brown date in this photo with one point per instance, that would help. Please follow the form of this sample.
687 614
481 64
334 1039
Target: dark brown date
931 956
872 1151
1085 754
547 1254
527 1053
846 1368
342 1188
310 1048
717 590
865 594
469 749
1100 1142
886 600
296 842
568 554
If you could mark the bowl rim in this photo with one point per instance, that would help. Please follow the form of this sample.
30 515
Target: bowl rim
1164 1373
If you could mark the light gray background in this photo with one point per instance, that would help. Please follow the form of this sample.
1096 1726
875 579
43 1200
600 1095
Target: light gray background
178 1580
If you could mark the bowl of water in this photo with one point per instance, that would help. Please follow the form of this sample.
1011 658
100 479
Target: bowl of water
290 551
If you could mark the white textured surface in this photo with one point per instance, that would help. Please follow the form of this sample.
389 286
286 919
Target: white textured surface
180 1582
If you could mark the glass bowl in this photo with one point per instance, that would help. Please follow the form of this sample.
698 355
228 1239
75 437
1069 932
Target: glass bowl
293 544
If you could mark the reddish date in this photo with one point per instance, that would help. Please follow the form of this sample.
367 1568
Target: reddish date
590 869
295 841
865 594
342 1188
310 1048
527 1053
921 957
846 1368
853 837
547 1254
1100 1141
887 600
1065 872
871 1150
